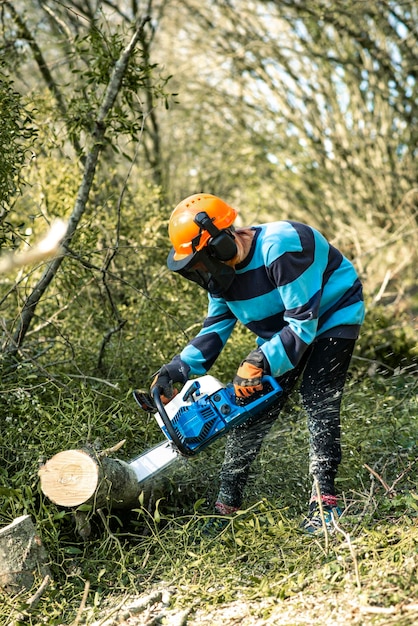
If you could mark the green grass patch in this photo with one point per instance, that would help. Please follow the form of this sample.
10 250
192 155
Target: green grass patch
262 557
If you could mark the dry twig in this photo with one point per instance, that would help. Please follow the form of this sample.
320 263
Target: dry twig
82 604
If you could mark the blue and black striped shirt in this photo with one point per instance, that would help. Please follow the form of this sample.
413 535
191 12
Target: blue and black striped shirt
293 287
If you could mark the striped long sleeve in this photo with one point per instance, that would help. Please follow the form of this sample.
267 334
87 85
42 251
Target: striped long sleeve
293 287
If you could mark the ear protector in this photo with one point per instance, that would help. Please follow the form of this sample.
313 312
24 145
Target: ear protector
222 244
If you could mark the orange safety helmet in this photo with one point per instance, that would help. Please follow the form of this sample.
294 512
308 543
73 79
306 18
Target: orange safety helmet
186 236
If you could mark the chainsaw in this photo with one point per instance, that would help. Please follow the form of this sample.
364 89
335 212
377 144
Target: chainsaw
204 410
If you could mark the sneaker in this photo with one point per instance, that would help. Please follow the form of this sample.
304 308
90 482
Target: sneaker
313 524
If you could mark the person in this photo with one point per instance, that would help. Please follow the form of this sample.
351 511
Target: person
303 301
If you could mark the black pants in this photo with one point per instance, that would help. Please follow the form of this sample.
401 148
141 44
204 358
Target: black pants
323 372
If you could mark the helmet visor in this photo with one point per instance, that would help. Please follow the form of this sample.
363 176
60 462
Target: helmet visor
204 270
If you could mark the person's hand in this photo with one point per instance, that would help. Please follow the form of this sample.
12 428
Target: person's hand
248 379
164 384
174 372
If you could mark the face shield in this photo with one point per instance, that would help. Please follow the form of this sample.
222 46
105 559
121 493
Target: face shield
203 269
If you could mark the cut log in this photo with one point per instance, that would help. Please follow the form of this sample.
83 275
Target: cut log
22 556
75 477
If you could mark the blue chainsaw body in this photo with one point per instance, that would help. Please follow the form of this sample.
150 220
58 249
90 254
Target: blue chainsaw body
200 418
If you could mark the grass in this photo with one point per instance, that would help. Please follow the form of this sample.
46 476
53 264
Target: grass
365 572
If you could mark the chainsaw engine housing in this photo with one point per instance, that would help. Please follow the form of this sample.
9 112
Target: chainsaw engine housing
205 410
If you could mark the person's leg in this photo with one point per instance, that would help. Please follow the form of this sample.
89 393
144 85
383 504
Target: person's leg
321 390
244 443
242 446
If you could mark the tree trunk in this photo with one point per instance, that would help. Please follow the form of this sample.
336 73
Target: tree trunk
22 556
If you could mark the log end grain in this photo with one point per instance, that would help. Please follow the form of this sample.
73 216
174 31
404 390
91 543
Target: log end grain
69 478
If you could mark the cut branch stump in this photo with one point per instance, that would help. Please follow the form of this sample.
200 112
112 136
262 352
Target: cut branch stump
22 556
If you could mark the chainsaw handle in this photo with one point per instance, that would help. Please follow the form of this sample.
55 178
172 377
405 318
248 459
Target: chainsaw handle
273 382
184 450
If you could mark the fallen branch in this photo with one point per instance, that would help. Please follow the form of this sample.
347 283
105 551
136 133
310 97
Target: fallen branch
321 512
379 478
31 604
403 474
82 604
154 607
33 600
390 491
352 551
389 610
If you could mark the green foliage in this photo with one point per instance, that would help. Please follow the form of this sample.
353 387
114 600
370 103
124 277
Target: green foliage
115 292
261 556
99 51
16 135
312 117
11 161
388 341
114 313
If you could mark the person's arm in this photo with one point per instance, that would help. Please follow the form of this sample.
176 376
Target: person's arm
295 261
285 349
203 350
198 356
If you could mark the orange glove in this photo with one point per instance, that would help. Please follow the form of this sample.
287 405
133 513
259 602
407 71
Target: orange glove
249 374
